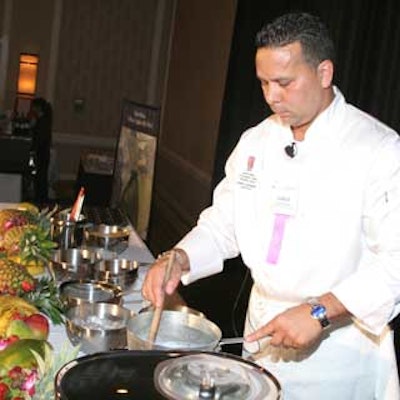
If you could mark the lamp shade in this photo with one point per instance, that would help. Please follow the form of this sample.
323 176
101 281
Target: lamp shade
28 66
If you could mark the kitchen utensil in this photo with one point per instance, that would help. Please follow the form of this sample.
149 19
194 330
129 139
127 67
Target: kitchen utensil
181 308
177 331
109 237
212 376
158 310
65 232
74 263
73 293
97 326
117 271
143 374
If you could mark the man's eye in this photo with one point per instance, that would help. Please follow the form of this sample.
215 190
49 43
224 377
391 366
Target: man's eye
284 83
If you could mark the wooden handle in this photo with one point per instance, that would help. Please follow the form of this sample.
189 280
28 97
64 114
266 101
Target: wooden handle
155 323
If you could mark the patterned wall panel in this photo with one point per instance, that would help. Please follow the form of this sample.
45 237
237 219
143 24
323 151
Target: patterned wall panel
104 54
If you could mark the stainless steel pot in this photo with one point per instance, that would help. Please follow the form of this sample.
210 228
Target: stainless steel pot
67 233
178 307
74 263
118 271
177 331
74 293
108 237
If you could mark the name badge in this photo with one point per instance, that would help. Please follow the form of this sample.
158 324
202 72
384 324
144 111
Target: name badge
285 199
247 180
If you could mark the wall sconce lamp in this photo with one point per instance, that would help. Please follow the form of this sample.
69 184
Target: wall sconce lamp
28 66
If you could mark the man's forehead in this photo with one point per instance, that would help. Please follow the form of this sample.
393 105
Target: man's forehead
281 55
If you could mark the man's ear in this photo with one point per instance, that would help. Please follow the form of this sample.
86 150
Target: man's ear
325 73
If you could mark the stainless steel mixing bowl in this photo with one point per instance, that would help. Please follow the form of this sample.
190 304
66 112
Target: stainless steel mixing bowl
97 327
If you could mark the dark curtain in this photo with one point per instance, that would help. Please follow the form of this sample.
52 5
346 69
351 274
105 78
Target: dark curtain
367 38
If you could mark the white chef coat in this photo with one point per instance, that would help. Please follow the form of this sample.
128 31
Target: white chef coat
338 206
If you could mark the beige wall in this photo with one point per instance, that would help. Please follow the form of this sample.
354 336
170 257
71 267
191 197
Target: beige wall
196 81
102 51
26 35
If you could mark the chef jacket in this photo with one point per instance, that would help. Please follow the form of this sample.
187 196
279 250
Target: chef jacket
325 220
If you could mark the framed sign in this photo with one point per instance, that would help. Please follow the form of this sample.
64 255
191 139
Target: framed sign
134 163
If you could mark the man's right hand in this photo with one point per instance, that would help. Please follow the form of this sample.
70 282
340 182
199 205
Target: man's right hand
154 288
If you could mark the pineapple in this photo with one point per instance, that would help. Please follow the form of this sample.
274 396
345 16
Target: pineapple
25 237
10 218
14 278
42 293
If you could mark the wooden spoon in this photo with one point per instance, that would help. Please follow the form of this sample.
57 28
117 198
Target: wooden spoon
155 323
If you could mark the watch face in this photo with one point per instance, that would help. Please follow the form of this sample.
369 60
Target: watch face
318 311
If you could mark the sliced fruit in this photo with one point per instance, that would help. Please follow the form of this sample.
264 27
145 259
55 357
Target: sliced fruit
19 328
22 353
11 308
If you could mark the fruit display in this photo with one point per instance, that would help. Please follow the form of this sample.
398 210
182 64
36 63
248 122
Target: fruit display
25 236
14 278
23 347
29 302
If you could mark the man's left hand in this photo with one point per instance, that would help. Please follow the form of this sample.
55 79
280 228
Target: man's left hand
294 328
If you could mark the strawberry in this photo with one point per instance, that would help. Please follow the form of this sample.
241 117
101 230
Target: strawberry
27 286
4 389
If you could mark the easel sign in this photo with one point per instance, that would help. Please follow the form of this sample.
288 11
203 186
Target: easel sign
134 163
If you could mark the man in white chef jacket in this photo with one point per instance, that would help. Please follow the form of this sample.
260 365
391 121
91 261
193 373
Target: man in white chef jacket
311 201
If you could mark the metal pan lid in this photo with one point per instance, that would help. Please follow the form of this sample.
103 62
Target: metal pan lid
214 376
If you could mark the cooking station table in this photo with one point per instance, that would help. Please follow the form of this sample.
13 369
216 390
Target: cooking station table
136 250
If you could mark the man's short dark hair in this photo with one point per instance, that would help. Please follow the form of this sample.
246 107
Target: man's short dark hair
304 28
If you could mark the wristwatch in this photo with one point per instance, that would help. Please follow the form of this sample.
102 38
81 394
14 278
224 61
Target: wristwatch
318 311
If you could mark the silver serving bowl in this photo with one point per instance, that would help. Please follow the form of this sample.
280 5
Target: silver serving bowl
74 263
73 293
97 327
120 272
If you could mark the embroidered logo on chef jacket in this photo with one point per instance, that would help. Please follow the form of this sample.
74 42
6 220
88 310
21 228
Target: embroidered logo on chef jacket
284 205
247 179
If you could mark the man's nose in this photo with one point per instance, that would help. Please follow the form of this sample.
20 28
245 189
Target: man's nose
272 94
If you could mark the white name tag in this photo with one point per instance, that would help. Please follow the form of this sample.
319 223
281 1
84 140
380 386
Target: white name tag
285 199
247 180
